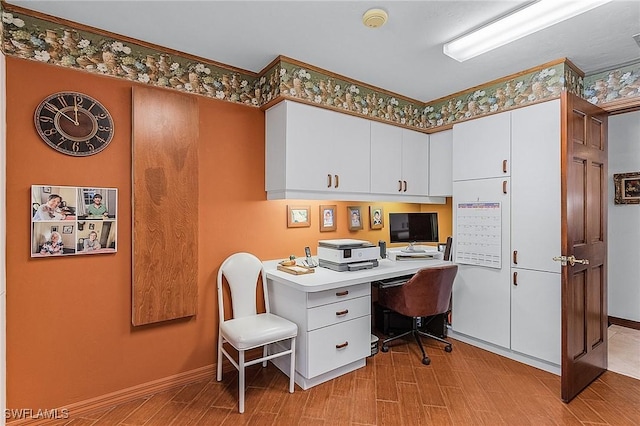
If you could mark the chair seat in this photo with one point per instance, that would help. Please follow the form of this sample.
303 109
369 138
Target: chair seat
257 330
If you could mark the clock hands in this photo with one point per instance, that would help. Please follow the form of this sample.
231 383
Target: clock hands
75 109
56 109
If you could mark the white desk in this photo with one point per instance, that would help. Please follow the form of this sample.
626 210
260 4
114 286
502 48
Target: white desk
333 313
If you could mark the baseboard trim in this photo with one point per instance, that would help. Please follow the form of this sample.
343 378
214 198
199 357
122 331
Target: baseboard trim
125 395
625 323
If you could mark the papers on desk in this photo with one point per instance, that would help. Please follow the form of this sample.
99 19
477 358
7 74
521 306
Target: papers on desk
404 256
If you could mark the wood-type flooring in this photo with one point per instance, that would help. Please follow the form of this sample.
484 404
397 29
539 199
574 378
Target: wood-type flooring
468 386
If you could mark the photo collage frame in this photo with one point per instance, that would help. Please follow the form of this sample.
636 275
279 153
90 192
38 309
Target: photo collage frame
70 220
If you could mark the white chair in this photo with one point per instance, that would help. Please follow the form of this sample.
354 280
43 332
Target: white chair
249 329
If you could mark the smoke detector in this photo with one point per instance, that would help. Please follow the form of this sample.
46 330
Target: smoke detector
374 18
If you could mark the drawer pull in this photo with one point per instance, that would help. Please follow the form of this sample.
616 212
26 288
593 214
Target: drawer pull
515 257
337 181
342 345
341 313
405 185
504 187
399 186
328 181
515 278
504 166
342 293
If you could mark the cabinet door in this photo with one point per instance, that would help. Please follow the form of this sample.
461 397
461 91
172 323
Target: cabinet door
440 164
535 180
481 295
481 147
347 153
386 159
309 147
536 314
415 162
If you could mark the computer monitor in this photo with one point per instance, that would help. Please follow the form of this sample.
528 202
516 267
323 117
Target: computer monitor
413 228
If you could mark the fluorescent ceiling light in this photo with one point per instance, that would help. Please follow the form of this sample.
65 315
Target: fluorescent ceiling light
523 22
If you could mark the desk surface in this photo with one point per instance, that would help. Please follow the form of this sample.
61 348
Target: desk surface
327 279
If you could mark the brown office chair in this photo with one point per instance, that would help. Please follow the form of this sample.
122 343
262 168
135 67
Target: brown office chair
427 293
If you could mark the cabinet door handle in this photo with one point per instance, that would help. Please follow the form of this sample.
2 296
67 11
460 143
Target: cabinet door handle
342 293
328 181
504 166
405 185
515 278
337 181
342 313
515 257
342 345
399 186
504 186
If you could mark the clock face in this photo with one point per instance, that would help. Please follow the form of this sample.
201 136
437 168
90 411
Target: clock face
74 123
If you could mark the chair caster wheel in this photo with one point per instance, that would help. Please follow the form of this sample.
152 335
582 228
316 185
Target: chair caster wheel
385 348
448 348
426 361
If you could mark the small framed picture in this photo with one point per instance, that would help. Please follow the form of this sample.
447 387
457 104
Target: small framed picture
67 229
46 190
327 218
627 187
92 226
298 216
354 213
377 217
54 229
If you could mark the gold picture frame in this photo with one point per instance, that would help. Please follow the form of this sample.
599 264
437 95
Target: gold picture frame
298 216
354 214
376 217
627 187
328 218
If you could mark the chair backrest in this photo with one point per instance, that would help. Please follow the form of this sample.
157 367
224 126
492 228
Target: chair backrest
427 293
241 271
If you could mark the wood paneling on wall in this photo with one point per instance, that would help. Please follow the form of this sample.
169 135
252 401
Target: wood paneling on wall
165 205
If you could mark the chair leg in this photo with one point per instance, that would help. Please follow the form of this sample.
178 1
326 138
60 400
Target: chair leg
292 370
241 381
425 358
220 357
265 352
385 348
447 348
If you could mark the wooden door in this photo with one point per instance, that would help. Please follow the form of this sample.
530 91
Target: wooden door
584 235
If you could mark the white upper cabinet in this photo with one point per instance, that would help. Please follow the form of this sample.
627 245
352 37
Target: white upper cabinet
441 164
481 147
399 161
312 151
315 153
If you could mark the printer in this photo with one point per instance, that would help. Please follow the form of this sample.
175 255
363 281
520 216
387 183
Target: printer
347 254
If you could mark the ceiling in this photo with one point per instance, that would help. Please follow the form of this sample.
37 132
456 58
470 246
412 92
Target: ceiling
330 35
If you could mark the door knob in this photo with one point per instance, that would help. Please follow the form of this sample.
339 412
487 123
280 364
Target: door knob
571 260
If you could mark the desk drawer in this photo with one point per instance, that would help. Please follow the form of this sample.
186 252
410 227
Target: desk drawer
337 295
334 313
338 345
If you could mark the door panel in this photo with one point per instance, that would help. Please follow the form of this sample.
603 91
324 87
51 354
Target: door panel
584 215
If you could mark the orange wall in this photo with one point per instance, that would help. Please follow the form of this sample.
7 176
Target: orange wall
69 332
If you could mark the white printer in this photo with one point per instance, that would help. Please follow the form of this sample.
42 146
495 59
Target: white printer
347 254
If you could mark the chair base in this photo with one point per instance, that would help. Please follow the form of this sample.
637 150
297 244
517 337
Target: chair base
416 334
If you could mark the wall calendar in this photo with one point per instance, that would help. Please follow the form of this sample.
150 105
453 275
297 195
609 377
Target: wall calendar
479 234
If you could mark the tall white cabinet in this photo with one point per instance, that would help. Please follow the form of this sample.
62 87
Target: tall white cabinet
513 158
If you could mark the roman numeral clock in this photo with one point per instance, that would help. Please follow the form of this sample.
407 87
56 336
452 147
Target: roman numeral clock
74 123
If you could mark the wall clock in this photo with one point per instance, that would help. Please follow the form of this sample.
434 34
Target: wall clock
74 123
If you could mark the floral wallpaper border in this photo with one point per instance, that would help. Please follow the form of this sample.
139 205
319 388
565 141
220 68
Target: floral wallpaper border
613 85
32 38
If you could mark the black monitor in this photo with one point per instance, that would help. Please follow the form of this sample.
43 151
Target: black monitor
413 227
